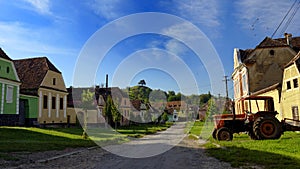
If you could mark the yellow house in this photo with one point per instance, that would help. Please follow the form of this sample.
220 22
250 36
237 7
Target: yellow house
41 78
290 99
275 92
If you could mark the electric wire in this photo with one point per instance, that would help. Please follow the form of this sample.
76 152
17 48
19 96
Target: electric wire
283 19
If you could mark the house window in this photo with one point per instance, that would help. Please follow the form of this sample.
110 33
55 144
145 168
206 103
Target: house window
295 113
45 102
7 70
244 83
236 89
295 81
53 103
61 103
9 94
288 85
54 81
272 52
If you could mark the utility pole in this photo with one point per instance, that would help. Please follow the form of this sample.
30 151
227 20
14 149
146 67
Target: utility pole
226 80
227 99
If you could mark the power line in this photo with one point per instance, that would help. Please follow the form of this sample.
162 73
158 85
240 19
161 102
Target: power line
283 19
290 18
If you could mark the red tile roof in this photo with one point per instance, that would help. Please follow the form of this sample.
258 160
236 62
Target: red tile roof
271 43
32 72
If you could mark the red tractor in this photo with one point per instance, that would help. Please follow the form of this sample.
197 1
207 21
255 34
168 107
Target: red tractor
257 118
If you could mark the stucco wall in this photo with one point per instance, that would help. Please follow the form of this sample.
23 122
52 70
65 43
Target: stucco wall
290 97
277 106
59 81
268 69
7 70
49 114
32 111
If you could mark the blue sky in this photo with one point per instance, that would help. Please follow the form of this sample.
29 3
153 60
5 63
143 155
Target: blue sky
59 29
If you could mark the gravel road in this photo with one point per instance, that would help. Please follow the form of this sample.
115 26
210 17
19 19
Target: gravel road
185 155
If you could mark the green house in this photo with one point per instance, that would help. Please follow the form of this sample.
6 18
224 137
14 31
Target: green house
9 91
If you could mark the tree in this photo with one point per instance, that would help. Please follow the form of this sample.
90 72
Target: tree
142 82
140 93
111 112
107 111
116 115
204 98
212 109
165 117
87 103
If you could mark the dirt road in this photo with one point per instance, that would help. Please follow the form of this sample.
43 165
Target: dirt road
185 155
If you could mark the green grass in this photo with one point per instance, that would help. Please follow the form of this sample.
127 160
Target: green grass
242 151
17 139
138 131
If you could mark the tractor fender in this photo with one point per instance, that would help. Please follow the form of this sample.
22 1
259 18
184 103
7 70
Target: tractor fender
264 114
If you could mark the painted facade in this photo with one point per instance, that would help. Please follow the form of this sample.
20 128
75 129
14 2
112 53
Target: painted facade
28 109
273 91
41 79
261 67
9 91
125 110
290 99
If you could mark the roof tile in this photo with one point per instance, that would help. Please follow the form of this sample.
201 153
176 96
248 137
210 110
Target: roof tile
32 72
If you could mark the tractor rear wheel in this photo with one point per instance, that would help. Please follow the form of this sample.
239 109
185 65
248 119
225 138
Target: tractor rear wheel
267 128
224 134
252 135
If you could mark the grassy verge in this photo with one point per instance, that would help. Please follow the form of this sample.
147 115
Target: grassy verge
16 139
242 151
36 139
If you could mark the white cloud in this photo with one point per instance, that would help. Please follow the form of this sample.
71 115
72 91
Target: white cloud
175 47
183 32
263 16
108 9
198 11
23 41
40 6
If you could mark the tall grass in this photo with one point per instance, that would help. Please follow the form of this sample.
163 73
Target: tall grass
242 151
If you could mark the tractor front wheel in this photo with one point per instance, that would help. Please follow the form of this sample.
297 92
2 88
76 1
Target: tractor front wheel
267 128
224 134
214 134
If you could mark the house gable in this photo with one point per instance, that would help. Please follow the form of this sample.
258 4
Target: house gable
7 68
54 80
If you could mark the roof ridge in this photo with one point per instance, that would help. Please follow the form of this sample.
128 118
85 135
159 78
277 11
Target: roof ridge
31 58
48 63
4 55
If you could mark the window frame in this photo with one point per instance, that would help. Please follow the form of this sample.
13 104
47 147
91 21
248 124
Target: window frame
288 85
9 94
295 83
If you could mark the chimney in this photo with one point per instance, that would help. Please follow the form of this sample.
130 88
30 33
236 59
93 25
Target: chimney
288 38
106 81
